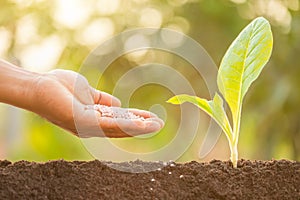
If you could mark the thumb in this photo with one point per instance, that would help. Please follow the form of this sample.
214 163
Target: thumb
104 98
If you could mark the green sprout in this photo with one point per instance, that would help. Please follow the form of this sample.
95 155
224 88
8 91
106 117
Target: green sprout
240 66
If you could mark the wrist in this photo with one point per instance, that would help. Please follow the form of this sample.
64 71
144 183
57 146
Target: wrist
17 85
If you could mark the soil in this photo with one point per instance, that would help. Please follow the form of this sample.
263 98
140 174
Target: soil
116 112
193 180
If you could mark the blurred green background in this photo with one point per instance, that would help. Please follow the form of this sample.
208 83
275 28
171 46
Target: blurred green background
41 35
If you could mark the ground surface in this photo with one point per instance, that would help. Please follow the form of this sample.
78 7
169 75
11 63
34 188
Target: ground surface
95 180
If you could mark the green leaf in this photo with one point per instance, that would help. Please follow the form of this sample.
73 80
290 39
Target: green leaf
213 108
242 64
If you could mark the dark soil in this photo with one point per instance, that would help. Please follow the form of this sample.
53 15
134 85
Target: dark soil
96 180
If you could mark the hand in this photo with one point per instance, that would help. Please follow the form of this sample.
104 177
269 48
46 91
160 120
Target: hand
66 99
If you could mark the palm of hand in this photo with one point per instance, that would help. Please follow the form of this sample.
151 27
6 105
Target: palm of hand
65 98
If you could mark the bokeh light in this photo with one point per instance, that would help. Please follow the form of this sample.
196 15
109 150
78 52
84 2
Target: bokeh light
41 35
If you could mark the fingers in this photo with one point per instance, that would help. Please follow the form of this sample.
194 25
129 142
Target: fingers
109 100
104 98
148 116
116 122
118 128
90 123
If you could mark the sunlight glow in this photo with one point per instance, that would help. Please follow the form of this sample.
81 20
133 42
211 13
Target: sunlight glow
96 32
43 56
151 17
135 42
173 41
22 3
25 3
27 30
5 40
106 7
180 24
277 11
140 1
72 13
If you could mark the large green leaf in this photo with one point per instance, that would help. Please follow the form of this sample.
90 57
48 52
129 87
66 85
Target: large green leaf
213 108
242 64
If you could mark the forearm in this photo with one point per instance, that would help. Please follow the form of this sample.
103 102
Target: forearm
16 85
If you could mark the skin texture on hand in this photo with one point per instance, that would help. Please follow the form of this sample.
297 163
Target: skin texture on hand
65 98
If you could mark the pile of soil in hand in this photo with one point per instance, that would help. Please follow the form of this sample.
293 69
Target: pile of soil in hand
116 112
193 180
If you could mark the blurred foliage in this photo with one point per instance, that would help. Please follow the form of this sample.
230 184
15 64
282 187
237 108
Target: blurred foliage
41 35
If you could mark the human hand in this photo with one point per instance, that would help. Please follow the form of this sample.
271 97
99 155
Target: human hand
66 99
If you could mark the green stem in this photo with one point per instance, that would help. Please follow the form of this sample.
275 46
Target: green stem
234 142
234 154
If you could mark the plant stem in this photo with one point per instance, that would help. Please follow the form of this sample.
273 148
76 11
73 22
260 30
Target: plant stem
234 154
236 132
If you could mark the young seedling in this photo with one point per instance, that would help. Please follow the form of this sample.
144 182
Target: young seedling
240 66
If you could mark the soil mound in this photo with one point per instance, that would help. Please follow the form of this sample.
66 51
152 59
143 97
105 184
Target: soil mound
193 180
